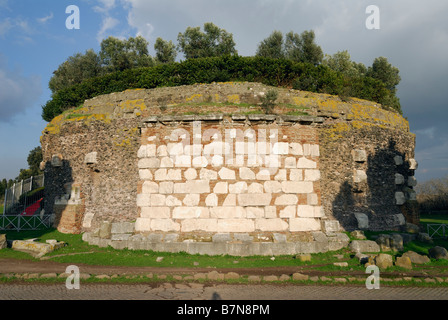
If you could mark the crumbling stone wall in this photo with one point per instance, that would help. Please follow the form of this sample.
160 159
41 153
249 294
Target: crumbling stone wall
204 160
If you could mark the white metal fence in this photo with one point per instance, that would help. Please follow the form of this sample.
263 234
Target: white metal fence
22 208
16 198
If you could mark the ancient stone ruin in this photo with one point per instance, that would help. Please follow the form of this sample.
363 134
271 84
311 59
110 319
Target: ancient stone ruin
204 169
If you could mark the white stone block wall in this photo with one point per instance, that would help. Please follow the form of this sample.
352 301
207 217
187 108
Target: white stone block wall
234 186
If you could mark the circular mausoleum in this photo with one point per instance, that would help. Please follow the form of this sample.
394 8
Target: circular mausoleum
205 169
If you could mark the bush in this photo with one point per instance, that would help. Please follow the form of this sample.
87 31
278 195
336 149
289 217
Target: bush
273 72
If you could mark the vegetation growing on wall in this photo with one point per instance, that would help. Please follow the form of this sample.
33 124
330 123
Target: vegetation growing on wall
274 72
295 61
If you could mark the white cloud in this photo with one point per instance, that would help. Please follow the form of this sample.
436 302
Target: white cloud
46 18
107 24
18 92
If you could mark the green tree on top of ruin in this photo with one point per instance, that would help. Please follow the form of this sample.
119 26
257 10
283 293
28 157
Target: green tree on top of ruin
213 42
119 55
75 69
165 51
295 47
382 70
272 46
341 62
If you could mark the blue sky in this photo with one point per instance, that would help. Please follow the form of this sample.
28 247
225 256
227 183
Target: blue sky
413 35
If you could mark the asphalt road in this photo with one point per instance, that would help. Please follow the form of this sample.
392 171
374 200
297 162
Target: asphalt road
229 292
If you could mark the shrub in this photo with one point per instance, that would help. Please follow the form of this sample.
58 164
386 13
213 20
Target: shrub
273 72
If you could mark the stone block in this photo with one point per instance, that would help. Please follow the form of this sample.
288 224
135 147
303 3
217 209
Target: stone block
175 149
182 161
400 198
190 174
200 162
174 174
412 181
281 175
122 227
198 186
161 175
254 212
305 211
149 187
271 225
404 262
295 175
272 186
246 174
263 174
180 188
295 149
172 201
157 200
239 187
304 224
211 200
227 174
143 224
304 163
166 162
221 237
206 174
236 225
359 155
227 212
364 246
286 200
155 212
312 175
331 226
56 160
359 176
288 212
255 188
398 160
413 164
165 225
221 188
206 225
312 199
193 150
166 187
91 158
191 213
290 162
147 163
191 200
362 219
143 200
230 200
297 187
145 174
270 212
280 148
399 179
315 152
254 199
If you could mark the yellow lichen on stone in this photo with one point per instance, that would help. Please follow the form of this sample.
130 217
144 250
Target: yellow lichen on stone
234 98
194 98
131 105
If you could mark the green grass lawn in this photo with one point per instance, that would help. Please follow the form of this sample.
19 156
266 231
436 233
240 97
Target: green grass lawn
78 251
